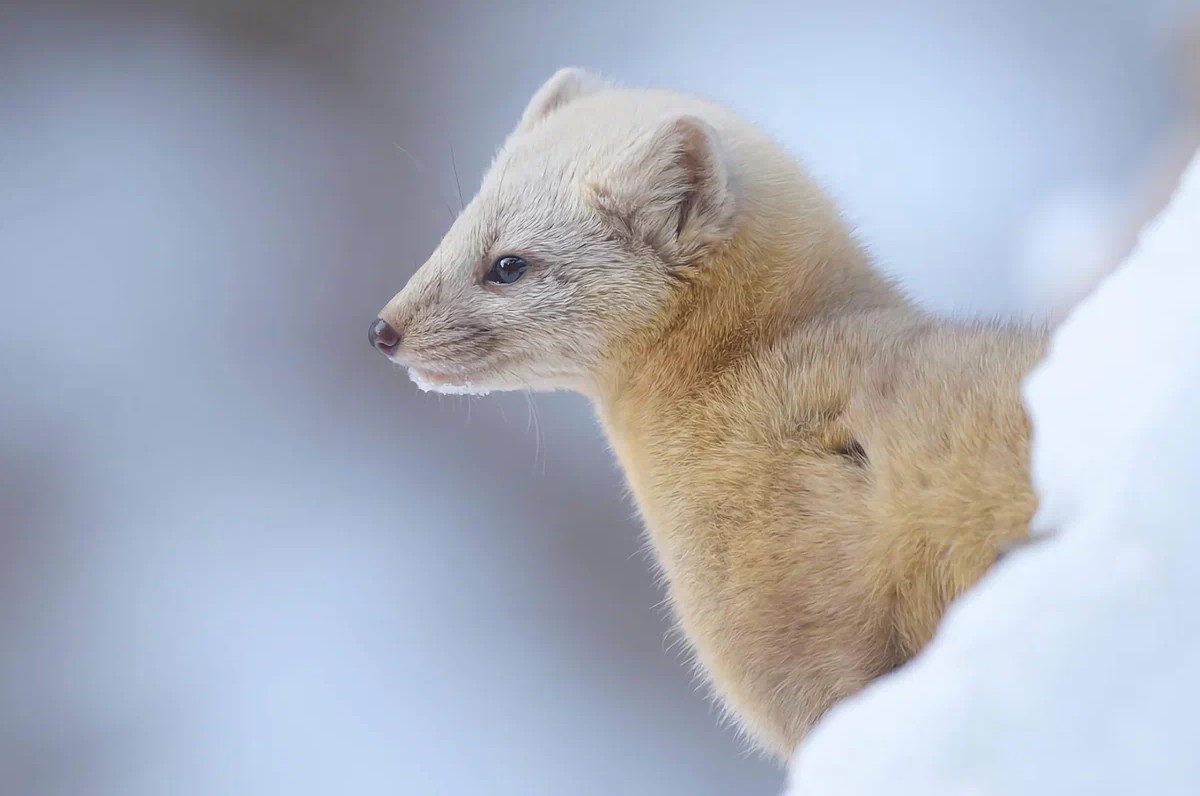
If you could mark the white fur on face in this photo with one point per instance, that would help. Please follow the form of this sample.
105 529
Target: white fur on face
604 193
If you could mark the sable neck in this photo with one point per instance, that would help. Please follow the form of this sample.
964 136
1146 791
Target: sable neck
794 262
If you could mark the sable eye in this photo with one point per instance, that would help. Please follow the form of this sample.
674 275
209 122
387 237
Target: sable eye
506 270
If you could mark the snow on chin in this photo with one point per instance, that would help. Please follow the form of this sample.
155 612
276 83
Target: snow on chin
427 384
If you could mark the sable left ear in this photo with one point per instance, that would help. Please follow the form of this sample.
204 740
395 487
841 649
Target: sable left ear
672 189
565 85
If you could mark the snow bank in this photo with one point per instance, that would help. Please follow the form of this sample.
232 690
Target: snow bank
1074 667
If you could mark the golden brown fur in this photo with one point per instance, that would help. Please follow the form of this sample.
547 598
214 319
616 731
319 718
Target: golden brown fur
821 465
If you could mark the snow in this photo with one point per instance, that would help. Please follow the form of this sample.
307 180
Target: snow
1074 666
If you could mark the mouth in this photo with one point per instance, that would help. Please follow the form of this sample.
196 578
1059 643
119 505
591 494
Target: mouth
445 383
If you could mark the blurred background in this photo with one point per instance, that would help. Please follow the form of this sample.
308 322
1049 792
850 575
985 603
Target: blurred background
240 553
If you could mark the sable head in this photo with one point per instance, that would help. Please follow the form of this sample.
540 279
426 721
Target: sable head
598 207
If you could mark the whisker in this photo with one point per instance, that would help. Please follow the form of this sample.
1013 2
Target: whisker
429 178
529 424
537 418
457 182
539 450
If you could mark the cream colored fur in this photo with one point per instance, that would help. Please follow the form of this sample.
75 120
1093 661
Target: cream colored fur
821 465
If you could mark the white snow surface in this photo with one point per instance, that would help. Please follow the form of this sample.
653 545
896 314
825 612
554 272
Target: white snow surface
1074 666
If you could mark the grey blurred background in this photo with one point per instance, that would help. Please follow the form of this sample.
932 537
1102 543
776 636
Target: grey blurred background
239 553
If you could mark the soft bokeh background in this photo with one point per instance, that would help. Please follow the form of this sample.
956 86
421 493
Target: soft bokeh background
239 553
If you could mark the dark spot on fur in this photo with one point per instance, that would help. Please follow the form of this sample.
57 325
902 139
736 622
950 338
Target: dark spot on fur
467 339
831 412
854 451
565 276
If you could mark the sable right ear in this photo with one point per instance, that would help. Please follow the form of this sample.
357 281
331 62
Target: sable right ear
567 84
672 189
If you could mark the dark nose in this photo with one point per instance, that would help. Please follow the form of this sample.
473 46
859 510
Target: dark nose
383 336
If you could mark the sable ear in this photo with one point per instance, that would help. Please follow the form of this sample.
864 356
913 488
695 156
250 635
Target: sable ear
565 85
673 190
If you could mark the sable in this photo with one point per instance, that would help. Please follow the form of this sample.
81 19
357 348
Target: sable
821 465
